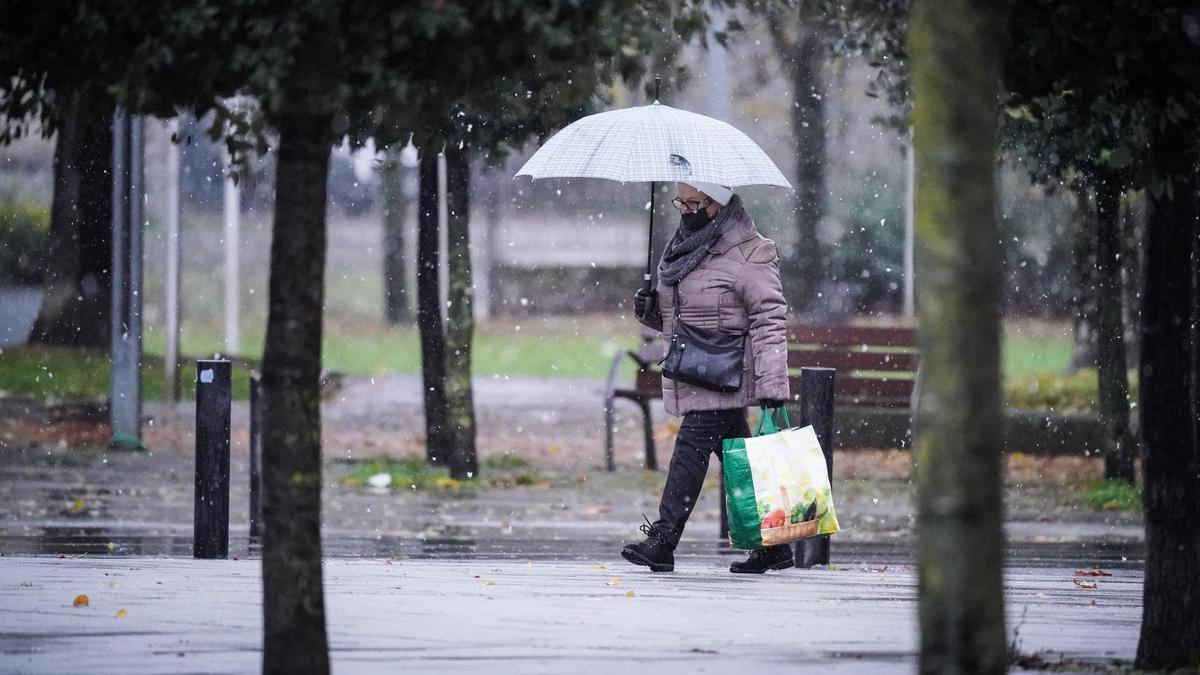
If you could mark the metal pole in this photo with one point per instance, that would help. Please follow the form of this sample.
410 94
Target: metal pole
816 408
256 449
232 237
210 537
443 270
171 350
125 392
118 415
910 224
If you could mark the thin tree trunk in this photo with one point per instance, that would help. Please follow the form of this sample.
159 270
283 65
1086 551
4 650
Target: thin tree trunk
429 314
1084 349
804 267
293 595
1170 636
78 281
395 291
460 323
1113 375
955 68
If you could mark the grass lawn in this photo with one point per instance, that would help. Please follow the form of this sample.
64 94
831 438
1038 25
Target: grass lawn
552 346
63 372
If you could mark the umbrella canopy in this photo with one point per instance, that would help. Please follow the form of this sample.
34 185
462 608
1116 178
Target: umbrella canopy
653 143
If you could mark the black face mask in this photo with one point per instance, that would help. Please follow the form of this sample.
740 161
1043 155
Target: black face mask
691 222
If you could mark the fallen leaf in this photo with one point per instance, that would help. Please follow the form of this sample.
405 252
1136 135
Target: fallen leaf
876 569
1085 584
1094 603
599 567
78 504
1094 572
615 581
81 600
121 613
629 594
114 584
489 582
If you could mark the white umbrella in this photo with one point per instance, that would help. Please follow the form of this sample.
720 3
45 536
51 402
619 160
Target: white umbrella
654 143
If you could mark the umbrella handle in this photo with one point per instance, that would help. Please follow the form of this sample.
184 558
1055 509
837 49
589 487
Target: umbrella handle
649 244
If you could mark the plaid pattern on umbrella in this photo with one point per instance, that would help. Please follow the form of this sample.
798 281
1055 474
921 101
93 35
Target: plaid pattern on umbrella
654 143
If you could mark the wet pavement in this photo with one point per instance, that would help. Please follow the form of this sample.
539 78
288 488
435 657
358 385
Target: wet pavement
531 616
524 577
67 501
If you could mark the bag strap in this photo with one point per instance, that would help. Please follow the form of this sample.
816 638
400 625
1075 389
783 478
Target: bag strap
675 293
768 425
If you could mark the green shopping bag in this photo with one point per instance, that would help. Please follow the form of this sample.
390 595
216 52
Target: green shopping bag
776 486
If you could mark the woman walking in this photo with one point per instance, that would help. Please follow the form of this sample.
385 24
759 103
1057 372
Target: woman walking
718 278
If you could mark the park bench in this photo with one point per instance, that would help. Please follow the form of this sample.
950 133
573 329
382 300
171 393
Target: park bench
876 373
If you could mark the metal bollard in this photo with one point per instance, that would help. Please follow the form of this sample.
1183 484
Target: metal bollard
210 538
816 408
256 450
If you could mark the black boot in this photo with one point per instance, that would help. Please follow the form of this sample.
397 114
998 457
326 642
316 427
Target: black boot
763 559
656 552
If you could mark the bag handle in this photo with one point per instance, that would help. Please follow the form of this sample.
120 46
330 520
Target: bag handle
768 425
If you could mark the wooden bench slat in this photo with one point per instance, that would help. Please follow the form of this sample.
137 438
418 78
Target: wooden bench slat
875 336
852 360
865 388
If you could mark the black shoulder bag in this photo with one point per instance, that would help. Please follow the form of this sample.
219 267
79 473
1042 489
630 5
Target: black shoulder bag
711 359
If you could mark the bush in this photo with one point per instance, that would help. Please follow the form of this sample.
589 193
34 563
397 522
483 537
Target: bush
1113 495
1060 392
24 231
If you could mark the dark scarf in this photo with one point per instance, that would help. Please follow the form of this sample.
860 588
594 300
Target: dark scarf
687 249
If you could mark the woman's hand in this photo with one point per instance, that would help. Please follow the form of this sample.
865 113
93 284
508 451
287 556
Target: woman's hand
770 403
645 303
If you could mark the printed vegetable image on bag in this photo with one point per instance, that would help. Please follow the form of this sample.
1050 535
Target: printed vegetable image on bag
777 486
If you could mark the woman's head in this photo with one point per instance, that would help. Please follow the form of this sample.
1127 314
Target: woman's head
700 198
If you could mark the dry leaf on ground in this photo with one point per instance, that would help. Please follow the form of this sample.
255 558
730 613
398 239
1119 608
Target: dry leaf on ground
80 601
1085 584
1094 572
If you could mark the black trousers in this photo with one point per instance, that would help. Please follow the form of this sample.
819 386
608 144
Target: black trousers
699 436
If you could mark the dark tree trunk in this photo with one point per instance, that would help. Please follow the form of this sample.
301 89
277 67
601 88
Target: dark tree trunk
804 267
429 314
395 290
960 542
1085 346
293 594
78 280
1170 636
1114 376
460 323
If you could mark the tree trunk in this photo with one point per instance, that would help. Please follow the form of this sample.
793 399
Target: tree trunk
1170 637
293 595
395 291
460 323
960 551
1084 350
77 304
1119 446
804 267
429 314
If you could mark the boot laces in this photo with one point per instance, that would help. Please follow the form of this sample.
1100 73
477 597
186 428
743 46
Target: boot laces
653 536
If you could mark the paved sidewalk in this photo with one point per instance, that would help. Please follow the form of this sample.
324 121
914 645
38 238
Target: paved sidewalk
528 616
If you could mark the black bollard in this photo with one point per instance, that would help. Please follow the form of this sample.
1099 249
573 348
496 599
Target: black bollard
256 450
816 408
210 537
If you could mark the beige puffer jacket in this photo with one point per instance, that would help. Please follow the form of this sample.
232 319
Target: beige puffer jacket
736 288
